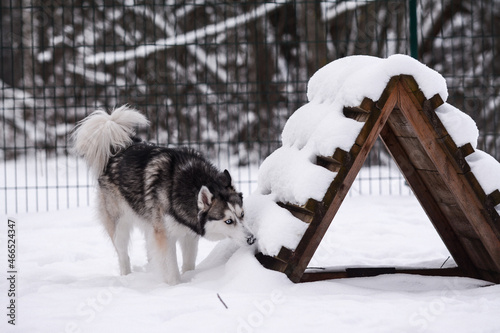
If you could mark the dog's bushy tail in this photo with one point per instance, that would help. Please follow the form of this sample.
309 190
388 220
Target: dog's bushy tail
100 134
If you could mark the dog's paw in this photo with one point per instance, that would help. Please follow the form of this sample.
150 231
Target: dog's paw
125 269
187 268
172 278
172 282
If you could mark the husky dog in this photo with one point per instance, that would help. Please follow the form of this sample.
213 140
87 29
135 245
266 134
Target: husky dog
173 194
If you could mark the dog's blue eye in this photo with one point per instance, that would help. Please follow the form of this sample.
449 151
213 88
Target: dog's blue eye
230 221
242 214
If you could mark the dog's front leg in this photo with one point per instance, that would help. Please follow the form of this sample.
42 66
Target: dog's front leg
189 248
171 268
165 252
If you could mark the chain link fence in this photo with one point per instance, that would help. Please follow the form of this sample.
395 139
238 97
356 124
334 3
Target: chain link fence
222 77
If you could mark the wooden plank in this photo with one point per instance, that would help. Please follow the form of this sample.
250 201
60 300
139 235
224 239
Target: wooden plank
412 89
389 88
271 262
317 229
488 208
468 201
367 104
435 101
312 205
491 276
460 225
326 274
284 254
336 185
328 163
400 125
475 186
335 162
409 83
370 123
428 201
438 188
494 197
466 150
341 156
337 182
457 154
428 110
299 212
360 113
492 200
416 153
356 113
479 254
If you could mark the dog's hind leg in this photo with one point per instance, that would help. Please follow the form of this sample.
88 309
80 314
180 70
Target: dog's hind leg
120 241
118 230
189 248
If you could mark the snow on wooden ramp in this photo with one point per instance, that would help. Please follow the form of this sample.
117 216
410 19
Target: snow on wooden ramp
326 142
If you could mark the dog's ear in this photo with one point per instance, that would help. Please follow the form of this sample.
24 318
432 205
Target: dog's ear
228 182
204 198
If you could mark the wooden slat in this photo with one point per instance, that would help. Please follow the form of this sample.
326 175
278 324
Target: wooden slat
413 90
491 276
339 179
457 154
285 254
435 101
370 123
400 125
374 271
299 212
466 150
367 104
360 113
493 199
356 113
416 153
335 162
437 187
328 163
491 202
389 88
312 205
409 83
430 115
479 254
460 224
475 186
271 262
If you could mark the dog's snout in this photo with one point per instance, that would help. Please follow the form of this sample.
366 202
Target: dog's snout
250 239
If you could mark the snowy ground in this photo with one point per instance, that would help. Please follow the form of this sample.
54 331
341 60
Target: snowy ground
68 281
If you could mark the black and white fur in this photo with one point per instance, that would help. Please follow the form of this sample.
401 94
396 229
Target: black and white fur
172 194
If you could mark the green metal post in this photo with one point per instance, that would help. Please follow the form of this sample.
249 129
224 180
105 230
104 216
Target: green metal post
413 29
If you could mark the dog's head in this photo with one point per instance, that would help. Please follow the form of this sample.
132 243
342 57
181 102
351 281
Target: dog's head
221 212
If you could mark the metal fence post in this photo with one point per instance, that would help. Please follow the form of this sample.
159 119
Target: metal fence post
413 29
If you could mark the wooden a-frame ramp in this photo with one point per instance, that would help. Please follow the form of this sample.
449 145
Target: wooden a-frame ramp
434 167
